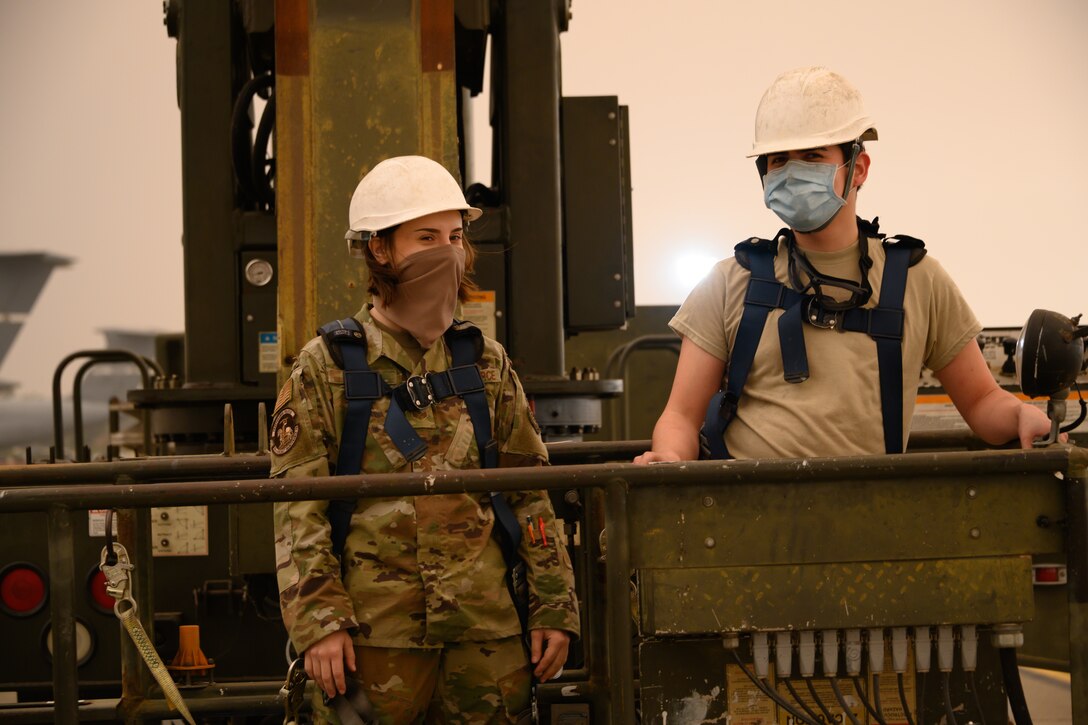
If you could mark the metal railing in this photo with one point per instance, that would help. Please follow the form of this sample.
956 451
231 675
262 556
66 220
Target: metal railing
138 484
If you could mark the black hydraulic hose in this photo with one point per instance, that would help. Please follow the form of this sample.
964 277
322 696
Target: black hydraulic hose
903 698
865 700
946 690
1010 672
240 127
770 692
262 175
806 708
974 692
842 701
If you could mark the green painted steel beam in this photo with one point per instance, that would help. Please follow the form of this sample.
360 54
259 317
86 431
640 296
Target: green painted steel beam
985 590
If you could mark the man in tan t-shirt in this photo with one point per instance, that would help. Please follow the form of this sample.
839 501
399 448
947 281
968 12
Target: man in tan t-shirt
810 130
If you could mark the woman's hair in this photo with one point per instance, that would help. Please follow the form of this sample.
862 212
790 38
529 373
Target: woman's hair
384 277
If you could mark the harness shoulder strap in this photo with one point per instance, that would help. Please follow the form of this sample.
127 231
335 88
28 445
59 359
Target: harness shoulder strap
466 345
346 341
764 293
901 253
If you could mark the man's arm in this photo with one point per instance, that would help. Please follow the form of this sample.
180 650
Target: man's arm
676 435
995 415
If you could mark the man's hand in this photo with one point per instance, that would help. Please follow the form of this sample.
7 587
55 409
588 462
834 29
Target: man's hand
655 457
554 643
1033 423
325 662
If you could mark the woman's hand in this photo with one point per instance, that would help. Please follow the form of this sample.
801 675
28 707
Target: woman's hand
549 652
325 662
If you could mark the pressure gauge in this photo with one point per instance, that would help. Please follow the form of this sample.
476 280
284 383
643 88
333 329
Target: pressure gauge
258 272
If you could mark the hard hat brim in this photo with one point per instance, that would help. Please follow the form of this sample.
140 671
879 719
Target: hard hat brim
378 223
864 130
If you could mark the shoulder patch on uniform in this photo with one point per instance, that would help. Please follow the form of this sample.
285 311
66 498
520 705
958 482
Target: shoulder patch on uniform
284 396
284 431
489 375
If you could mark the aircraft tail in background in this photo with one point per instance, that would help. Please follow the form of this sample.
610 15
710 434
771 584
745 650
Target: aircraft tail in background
22 277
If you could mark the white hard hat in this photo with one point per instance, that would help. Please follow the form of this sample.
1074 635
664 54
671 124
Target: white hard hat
404 188
808 108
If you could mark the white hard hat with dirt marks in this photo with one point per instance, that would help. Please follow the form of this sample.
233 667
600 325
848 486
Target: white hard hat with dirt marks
810 108
404 188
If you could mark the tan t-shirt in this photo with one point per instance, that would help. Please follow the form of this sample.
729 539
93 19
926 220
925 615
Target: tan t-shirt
837 410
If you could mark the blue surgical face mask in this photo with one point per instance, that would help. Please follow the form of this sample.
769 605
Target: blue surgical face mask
802 194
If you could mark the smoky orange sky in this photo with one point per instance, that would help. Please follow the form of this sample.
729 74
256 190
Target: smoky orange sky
980 106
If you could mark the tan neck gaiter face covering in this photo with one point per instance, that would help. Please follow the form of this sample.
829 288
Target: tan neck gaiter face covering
426 292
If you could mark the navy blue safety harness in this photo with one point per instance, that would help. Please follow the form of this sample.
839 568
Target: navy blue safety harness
884 323
346 341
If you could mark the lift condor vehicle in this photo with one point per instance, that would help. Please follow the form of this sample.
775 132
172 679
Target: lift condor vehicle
137 583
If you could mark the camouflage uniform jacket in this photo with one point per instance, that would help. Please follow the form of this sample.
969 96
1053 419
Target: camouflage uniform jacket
422 570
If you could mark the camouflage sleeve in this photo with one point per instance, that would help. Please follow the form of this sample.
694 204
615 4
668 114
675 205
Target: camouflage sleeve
552 601
312 597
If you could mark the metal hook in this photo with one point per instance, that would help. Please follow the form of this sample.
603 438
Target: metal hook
111 552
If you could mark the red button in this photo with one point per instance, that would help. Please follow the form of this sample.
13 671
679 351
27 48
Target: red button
22 590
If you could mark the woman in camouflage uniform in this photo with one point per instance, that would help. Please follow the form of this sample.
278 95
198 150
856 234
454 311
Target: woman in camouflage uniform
420 615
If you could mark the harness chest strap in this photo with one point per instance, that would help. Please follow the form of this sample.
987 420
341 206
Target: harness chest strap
883 323
346 341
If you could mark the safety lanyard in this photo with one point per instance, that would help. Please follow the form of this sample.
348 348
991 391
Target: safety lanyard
115 566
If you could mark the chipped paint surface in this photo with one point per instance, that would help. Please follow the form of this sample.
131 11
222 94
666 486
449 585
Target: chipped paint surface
693 709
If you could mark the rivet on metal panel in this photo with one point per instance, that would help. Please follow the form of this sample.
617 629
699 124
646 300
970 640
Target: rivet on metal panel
975 533
709 542
972 492
708 501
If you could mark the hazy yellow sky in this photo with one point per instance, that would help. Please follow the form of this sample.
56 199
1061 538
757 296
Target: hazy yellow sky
980 105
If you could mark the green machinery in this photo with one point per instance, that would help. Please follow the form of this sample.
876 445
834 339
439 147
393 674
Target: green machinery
688 574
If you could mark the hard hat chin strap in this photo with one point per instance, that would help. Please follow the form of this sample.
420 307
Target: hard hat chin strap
854 152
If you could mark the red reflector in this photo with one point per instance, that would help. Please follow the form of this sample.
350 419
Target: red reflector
22 590
96 589
1049 574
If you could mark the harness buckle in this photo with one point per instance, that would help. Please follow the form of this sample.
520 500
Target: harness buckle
817 316
420 393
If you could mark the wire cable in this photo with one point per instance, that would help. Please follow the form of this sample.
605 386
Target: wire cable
876 700
865 700
842 701
1083 412
921 695
974 692
769 692
1010 672
946 690
903 698
819 701
806 708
